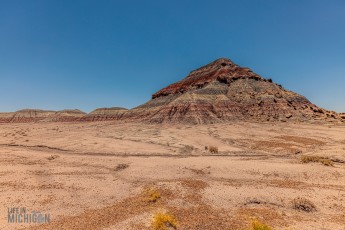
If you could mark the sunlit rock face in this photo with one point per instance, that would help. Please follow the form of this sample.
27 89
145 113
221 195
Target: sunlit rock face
223 91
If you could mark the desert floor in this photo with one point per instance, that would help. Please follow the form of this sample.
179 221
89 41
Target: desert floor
108 175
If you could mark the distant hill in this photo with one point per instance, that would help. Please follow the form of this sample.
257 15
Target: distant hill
220 91
104 114
223 91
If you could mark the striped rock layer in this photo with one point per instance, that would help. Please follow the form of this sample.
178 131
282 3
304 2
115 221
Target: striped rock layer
223 91
217 92
37 115
105 114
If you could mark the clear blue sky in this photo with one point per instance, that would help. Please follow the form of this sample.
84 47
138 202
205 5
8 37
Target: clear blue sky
57 54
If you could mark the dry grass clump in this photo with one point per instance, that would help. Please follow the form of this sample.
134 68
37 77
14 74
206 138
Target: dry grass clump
187 149
120 167
52 157
161 221
213 149
257 225
323 160
303 204
153 195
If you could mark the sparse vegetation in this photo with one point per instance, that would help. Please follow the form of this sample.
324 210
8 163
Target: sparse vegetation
197 171
323 160
303 204
257 225
161 221
52 157
153 195
187 149
213 149
120 167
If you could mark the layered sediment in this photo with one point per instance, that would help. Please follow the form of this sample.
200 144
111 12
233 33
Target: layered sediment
223 91
105 114
220 91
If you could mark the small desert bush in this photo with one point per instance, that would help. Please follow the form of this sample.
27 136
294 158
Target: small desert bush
163 220
303 204
120 167
213 149
153 195
52 157
187 149
257 225
323 160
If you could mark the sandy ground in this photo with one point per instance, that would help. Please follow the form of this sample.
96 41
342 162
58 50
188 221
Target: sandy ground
101 175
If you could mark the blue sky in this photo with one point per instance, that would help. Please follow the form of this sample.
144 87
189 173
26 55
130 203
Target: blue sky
58 54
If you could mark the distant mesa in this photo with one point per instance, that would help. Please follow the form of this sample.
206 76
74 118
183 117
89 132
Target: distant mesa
105 114
108 111
67 115
30 115
38 115
220 91
6 117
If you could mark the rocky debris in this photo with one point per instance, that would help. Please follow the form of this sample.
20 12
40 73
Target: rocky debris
104 114
223 91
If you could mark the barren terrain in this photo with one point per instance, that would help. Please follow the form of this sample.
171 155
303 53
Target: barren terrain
112 175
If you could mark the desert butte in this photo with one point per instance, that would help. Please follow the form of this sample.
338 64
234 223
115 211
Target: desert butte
223 148
218 92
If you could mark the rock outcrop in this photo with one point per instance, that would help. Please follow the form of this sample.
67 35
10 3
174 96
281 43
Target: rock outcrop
104 114
223 91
